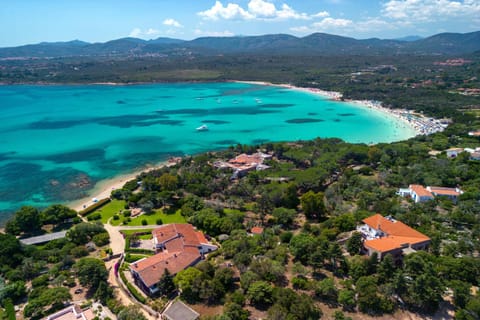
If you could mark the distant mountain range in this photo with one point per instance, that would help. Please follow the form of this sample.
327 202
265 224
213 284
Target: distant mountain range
276 44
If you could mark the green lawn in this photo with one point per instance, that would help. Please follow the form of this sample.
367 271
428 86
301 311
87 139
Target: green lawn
109 210
132 231
152 219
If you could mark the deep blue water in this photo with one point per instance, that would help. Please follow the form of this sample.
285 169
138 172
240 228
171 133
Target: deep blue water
56 142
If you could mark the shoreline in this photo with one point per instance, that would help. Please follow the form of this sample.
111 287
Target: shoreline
104 188
420 124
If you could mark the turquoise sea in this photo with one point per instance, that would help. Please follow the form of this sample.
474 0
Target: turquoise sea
56 142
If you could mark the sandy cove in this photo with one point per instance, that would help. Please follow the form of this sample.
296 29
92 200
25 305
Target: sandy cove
104 188
421 124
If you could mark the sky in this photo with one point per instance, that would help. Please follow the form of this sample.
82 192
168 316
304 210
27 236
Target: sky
34 21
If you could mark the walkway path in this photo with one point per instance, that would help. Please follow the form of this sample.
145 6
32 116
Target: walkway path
117 242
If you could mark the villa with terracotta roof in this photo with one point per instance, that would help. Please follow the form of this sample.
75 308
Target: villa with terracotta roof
244 163
256 230
178 247
421 194
385 235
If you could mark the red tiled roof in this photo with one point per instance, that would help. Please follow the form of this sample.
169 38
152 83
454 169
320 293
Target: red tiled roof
247 159
420 190
201 238
181 249
151 269
189 235
441 191
397 233
256 230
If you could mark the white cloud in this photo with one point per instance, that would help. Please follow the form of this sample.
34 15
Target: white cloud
261 8
321 14
345 26
429 10
231 12
372 25
204 33
332 23
138 33
289 13
172 23
257 9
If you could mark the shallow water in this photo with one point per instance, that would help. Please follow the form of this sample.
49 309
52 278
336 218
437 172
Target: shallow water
56 142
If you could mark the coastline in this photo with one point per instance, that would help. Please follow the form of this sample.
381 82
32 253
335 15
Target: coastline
104 188
417 122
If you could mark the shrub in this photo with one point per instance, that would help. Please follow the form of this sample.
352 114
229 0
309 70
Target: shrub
116 217
76 220
94 216
144 222
40 281
145 251
127 243
9 309
101 239
94 207
133 257
285 237
127 213
159 221
300 283
132 289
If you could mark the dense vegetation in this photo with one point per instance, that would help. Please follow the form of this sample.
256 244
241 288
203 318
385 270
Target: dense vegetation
328 187
307 260
43 277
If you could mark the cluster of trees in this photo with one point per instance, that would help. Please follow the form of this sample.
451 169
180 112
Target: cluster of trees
42 275
30 220
313 194
333 186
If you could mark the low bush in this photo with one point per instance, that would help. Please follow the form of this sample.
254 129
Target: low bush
137 295
101 239
94 207
94 216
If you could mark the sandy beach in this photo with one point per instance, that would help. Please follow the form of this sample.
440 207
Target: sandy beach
419 123
104 188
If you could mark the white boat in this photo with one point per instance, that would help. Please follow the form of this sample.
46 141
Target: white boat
203 127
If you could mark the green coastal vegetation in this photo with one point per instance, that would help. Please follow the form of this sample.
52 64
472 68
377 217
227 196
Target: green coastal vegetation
306 263
299 266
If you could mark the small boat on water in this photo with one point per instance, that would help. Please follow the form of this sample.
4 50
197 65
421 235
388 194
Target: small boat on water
203 127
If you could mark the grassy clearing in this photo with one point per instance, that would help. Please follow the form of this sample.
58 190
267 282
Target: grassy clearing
227 210
152 219
110 209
